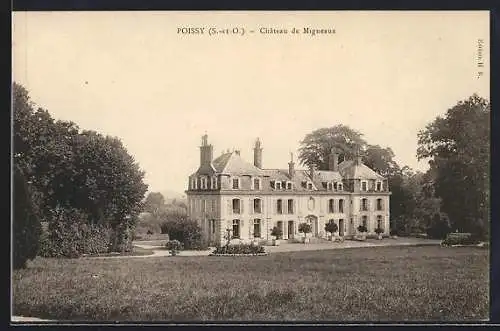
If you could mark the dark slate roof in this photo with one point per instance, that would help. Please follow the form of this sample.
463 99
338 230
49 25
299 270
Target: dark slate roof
350 170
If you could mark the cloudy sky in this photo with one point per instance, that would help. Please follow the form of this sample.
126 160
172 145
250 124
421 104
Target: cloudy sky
131 75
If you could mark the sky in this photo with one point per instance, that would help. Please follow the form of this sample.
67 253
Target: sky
132 75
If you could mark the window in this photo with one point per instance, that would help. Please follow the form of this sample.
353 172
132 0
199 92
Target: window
279 206
236 183
329 186
364 204
203 206
379 186
214 224
364 220
309 186
194 183
236 229
256 183
340 186
236 206
214 206
331 203
379 204
379 221
290 206
257 206
289 185
278 185
214 183
204 183
335 186
341 205
364 185
256 228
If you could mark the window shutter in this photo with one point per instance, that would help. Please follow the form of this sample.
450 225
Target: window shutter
241 207
294 206
229 207
262 206
284 206
250 206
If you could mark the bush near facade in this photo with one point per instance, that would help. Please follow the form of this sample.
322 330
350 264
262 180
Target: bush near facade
26 224
239 249
276 232
362 229
187 232
331 227
305 228
174 246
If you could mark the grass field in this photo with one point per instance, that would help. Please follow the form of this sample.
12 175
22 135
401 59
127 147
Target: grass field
384 283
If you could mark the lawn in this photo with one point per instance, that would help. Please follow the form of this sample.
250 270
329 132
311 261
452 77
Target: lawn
383 284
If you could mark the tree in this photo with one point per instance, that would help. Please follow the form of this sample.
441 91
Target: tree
155 203
331 227
27 227
381 160
316 146
72 169
457 146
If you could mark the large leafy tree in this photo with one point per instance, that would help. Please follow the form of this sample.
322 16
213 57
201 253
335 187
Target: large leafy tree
69 168
317 146
458 148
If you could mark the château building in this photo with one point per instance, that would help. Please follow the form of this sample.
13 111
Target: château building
230 193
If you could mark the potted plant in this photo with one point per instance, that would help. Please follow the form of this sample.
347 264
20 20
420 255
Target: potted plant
305 228
174 246
379 232
362 232
332 228
276 233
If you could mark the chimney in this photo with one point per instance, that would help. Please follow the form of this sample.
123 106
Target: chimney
311 171
206 151
257 154
291 166
358 156
237 152
333 160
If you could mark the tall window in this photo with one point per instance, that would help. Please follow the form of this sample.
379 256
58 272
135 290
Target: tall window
341 205
257 206
278 185
279 206
364 204
340 186
236 228
289 185
290 206
236 183
213 227
379 221
364 220
214 183
236 206
256 183
379 204
256 228
364 185
331 203
379 186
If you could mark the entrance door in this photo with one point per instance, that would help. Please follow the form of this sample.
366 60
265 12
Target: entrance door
341 227
291 230
313 221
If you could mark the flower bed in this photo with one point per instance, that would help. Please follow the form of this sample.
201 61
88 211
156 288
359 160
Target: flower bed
460 239
238 250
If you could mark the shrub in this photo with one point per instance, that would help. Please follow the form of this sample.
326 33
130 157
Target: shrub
362 229
393 232
305 228
331 226
69 235
439 227
187 232
460 239
379 230
174 246
26 224
239 249
276 231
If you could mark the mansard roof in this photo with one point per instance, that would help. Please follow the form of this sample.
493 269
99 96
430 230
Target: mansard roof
232 164
349 169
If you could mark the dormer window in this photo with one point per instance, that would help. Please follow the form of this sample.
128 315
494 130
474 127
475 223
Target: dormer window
364 185
278 185
288 185
340 187
236 184
330 186
256 184
203 181
378 185
193 183
214 183
309 186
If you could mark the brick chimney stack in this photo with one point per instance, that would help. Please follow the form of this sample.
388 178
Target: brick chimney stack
206 151
333 160
291 166
257 154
